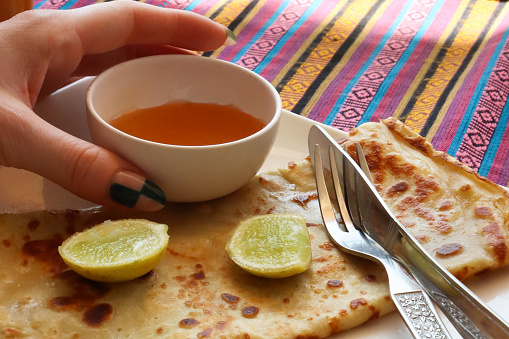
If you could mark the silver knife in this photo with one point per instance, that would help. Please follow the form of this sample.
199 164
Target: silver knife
466 312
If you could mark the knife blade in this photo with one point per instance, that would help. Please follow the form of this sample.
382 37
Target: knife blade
471 317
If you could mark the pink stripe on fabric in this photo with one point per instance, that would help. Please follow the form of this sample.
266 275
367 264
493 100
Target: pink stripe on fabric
204 6
399 86
292 46
54 4
176 4
501 161
250 30
486 116
326 102
452 118
273 34
362 93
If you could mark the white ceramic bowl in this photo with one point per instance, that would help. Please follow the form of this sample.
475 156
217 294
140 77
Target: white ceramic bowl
185 173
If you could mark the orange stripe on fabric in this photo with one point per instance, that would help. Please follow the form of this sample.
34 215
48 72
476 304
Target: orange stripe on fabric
309 70
325 50
455 55
458 85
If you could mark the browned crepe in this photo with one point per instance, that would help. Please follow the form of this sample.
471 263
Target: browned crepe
196 290
457 215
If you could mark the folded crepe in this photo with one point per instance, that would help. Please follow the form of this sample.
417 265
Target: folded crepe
196 291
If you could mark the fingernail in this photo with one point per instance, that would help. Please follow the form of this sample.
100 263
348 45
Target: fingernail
231 38
135 191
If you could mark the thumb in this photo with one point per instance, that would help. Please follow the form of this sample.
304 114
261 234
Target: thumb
89 171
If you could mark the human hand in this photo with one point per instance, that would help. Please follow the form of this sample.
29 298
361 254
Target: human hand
42 50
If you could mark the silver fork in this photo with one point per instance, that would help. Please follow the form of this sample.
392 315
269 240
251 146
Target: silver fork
413 304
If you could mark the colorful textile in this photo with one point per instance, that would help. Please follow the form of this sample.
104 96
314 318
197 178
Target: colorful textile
440 66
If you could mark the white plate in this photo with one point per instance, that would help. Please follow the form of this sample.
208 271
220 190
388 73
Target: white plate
22 191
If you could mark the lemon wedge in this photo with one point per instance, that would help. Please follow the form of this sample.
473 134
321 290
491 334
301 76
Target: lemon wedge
271 246
116 250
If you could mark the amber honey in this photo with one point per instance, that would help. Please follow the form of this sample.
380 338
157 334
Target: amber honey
189 124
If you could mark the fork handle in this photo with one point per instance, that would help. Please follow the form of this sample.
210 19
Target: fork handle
414 305
419 315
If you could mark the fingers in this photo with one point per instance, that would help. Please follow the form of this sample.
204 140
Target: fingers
139 23
88 171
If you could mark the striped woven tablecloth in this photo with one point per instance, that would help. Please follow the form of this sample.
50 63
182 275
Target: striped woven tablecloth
441 66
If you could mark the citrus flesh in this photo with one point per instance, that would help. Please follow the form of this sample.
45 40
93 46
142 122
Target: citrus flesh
116 251
272 245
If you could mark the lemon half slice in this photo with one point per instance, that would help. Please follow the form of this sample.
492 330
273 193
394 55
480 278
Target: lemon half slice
272 245
116 250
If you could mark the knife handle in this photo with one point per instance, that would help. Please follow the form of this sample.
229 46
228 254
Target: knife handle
467 313
414 305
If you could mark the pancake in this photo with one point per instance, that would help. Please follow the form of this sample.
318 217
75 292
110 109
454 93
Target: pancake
196 290
458 216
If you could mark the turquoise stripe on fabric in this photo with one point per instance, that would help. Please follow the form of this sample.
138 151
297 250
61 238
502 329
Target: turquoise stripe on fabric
496 139
260 32
193 5
366 116
369 61
474 102
298 24
68 4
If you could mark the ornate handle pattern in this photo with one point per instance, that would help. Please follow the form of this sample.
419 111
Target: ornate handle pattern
419 315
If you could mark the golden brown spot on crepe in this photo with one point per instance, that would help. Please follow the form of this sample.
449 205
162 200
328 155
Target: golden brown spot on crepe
334 283
393 163
159 330
188 323
496 241
286 300
180 278
371 278
465 187
6 243
84 293
221 325
320 259
445 205
460 275
408 224
198 275
356 302
262 180
204 333
11 332
97 315
424 213
398 187
163 285
292 165
405 203
46 252
422 239
304 199
271 210
482 211
327 268
375 315
443 226
328 245
250 312
230 298
425 187
33 224
449 250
